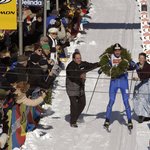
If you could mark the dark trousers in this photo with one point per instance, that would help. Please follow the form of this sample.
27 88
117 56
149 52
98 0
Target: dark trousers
77 104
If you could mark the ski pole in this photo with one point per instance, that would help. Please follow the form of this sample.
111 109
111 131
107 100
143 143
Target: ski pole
95 86
92 94
131 83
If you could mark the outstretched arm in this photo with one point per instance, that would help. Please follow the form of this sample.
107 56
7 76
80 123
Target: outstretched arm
28 102
89 66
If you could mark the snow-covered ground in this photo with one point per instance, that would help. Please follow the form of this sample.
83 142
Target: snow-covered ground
112 21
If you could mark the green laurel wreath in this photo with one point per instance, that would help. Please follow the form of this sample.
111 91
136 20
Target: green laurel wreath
114 72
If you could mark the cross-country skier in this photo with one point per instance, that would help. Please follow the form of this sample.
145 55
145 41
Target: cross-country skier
115 62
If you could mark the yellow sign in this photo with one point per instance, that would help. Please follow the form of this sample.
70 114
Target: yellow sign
8 15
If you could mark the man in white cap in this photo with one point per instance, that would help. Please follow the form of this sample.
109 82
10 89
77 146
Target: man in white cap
53 43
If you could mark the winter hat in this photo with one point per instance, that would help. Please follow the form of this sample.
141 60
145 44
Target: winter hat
46 47
77 50
22 58
35 58
44 39
37 46
117 46
29 48
53 30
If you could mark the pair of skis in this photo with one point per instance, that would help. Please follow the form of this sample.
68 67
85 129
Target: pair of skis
109 130
107 127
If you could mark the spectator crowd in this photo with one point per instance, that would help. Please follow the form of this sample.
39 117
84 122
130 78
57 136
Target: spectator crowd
26 81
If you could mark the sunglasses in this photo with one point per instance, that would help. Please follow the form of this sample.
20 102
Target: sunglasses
40 50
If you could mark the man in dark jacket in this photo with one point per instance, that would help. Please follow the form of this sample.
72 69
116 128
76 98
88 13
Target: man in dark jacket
75 84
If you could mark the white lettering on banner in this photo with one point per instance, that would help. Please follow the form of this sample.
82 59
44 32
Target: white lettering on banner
32 2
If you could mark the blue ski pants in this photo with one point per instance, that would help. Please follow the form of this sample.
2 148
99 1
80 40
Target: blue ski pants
122 84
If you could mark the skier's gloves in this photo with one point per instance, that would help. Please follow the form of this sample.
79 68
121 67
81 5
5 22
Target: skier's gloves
132 64
100 71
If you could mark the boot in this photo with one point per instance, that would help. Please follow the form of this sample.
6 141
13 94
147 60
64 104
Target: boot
141 119
106 123
130 125
74 125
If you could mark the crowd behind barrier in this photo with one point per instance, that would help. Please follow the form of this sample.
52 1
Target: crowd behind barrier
26 81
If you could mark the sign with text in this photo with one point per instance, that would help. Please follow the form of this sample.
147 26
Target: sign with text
8 15
32 2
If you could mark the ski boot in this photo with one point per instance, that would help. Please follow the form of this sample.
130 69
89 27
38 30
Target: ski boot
130 126
106 125
141 119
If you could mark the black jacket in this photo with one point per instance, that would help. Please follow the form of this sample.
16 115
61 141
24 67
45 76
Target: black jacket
21 73
74 83
37 78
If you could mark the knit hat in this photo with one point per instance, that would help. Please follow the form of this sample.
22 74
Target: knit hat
22 58
37 46
29 48
35 58
77 50
46 47
44 39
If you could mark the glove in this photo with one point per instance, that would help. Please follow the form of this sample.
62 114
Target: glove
132 64
100 71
